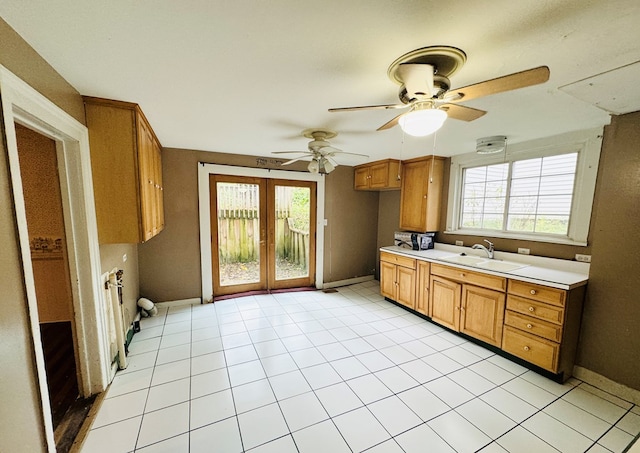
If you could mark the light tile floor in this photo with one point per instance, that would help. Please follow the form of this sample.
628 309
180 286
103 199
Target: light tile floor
338 372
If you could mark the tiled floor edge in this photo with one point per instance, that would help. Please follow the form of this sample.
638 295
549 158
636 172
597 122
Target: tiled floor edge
606 384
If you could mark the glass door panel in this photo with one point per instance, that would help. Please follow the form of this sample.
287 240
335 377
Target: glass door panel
238 228
292 233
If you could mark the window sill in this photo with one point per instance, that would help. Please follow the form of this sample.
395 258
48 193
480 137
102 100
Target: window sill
518 237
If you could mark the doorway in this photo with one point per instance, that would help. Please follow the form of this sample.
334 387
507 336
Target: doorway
37 155
263 233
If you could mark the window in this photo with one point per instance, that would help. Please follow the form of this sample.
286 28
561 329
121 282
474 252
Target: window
540 190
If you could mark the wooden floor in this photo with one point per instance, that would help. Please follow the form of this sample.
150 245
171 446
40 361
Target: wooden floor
60 364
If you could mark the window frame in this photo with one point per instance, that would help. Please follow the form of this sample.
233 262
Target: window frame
587 144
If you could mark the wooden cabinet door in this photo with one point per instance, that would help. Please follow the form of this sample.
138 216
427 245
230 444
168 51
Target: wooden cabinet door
421 192
406 292
445 302
422 288
361 178
482 314
388 280
159 188
146 168
379 175
413 197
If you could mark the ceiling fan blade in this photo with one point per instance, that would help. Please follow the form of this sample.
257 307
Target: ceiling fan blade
290 152
329 150
509 82
461 112
289 162
351 154
369 107
417 78
391 123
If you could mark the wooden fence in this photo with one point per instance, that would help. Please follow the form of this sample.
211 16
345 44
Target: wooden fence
239 226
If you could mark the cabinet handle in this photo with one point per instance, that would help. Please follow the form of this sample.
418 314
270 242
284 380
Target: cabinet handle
531 309
526 348
533 292
462 275
529 326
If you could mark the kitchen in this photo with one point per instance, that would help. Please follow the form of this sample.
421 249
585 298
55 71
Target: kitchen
607 343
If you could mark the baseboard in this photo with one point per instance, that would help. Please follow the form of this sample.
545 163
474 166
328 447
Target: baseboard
349 281
180 302
606 384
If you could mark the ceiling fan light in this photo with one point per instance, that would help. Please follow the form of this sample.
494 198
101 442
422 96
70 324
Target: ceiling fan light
328 166
314 166
422 122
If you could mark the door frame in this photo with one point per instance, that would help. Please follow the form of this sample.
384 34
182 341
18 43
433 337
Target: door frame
206 169
24 105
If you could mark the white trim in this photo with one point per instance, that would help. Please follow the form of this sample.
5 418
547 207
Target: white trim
179 303
205 169
22 104
348 281
587 143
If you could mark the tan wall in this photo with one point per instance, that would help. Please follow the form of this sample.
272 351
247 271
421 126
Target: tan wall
170 262
19 57
609 340
388 221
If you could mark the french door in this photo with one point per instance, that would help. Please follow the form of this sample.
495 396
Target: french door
262 233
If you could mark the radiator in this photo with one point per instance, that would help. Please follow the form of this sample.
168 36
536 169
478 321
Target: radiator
115 318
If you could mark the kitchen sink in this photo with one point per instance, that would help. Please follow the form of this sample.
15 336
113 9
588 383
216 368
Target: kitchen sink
484 263
465 259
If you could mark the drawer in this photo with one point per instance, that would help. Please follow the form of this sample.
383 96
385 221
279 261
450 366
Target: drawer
532 325
398 259
538 310
538 292
538 351
466 276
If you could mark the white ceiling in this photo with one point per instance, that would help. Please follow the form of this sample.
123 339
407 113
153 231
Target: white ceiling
247 77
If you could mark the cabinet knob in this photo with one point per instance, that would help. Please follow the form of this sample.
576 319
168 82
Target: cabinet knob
531 309
462 274
526 348
529 326
533 292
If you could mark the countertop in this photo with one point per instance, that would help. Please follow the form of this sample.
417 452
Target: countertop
557 273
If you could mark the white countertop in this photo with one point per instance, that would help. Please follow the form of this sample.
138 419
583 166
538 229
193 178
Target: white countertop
557 273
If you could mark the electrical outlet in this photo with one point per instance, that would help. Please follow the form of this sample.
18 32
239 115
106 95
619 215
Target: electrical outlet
523 251
583 258
460 243
326 222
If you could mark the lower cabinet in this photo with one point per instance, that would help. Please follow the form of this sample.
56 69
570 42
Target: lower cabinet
472 310
398 278
536 323
422 287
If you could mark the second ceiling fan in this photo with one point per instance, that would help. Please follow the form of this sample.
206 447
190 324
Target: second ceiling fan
423 76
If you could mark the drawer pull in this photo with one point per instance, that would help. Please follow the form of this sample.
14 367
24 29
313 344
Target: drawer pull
462 275
531 309
526 348
533 292
529 326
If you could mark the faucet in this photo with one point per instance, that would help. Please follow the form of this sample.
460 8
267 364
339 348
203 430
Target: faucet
489 250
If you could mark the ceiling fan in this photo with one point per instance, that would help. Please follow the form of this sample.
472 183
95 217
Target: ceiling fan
423 75
319 150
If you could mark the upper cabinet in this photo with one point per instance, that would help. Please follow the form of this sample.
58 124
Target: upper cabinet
379 175
421 193
126 162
